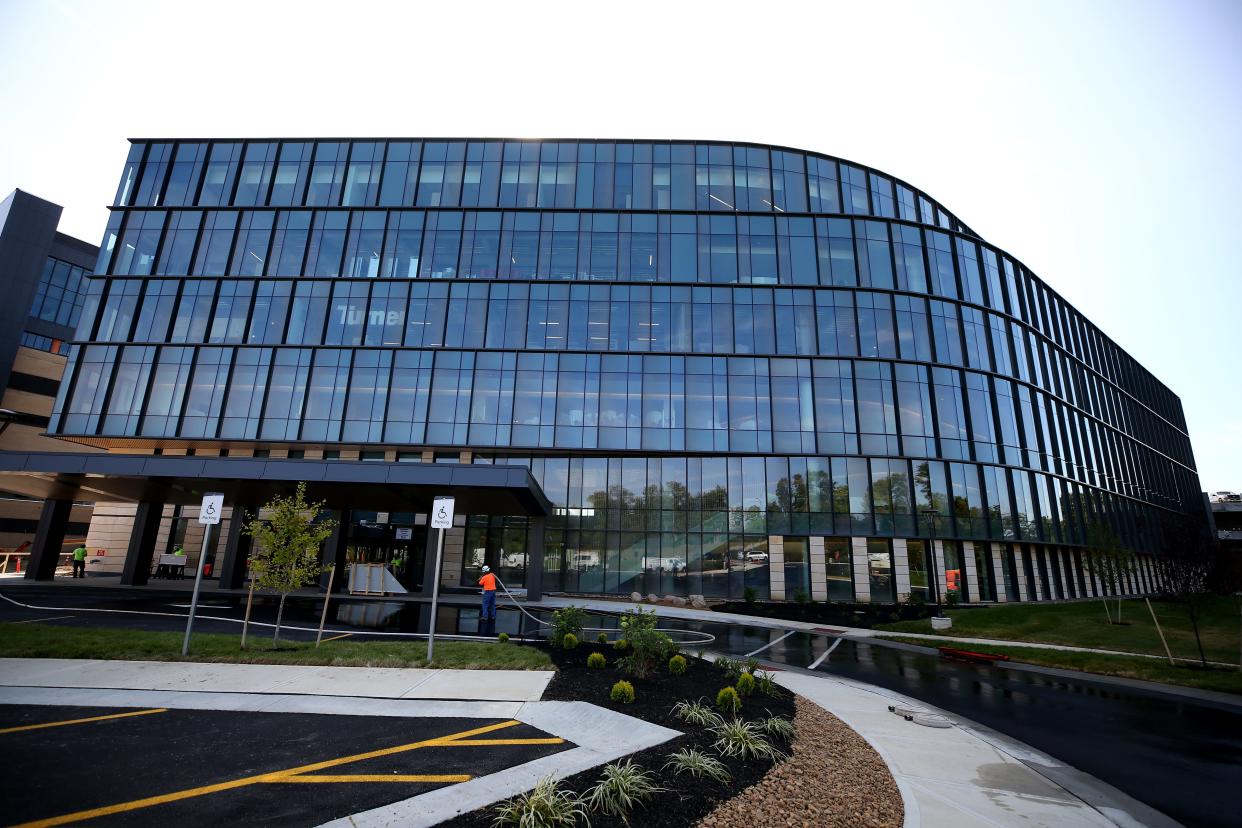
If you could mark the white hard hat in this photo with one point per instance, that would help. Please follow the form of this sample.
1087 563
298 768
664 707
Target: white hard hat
486 568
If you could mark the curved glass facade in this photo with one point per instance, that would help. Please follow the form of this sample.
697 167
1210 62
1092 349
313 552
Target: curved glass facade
720 360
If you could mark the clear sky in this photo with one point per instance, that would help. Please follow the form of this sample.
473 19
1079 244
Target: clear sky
1099 141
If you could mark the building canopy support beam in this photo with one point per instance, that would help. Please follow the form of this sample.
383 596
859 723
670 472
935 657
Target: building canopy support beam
137 568
49 538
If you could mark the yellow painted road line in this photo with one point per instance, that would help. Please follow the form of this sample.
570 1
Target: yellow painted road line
41 620
489 742
275 776
376 777
83 721
335 637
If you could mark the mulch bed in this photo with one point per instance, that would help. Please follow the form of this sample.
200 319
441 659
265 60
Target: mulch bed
832 778
688 799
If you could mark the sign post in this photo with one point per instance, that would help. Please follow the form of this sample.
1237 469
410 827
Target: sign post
209 516
442 519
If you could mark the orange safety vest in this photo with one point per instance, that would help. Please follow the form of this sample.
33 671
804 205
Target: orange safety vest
489 582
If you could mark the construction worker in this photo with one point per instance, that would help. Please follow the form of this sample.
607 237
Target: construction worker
488 582
79 561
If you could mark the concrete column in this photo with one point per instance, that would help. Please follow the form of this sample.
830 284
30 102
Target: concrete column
819 570
1019 572
973 594
534 560
233 565
901 568
1054 572
942 582
776 567
995 554
48 540
1067 574
862 578
1040 587
142 544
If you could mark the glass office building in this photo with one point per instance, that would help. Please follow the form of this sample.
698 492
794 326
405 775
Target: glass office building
732 367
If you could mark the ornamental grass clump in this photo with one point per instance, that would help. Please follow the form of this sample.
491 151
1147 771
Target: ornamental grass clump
569 641
697 713
622 692
623 786
745 684
677 665
728 701
697 764
743 740
766 684
731 666
596 661
545 806
777 727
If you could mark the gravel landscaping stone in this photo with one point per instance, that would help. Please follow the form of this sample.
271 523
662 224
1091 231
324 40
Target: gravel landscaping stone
832 778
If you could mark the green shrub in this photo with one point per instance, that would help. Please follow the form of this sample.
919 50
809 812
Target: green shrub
728 701
596 660
749 595
503 638
569 641
602 638
697 764
745 684
619 644
648 646
697 713
800 596
622 692
622 786
752 665
677 665
546 806
731 666
951 597
567 620
742 740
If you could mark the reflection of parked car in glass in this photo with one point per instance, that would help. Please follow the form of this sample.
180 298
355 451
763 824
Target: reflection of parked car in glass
756 557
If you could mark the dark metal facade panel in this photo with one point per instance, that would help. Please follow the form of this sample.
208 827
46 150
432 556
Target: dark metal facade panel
493 489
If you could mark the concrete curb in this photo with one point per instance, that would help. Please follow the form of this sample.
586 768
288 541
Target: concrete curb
600 735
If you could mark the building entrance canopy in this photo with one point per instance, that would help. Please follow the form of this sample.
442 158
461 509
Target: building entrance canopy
498 490
155 481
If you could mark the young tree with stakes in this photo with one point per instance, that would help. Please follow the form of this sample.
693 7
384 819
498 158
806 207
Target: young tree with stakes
286 546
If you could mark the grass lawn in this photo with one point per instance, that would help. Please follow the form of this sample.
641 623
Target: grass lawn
1083 624
47 641
1220 679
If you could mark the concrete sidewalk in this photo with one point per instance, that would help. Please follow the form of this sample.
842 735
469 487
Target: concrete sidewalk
356 682
711 616
967 776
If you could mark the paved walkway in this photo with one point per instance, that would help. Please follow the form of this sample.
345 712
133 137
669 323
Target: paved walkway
710 616
356 682
966 776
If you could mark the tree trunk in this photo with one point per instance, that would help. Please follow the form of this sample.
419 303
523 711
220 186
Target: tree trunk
279 612
1118 610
